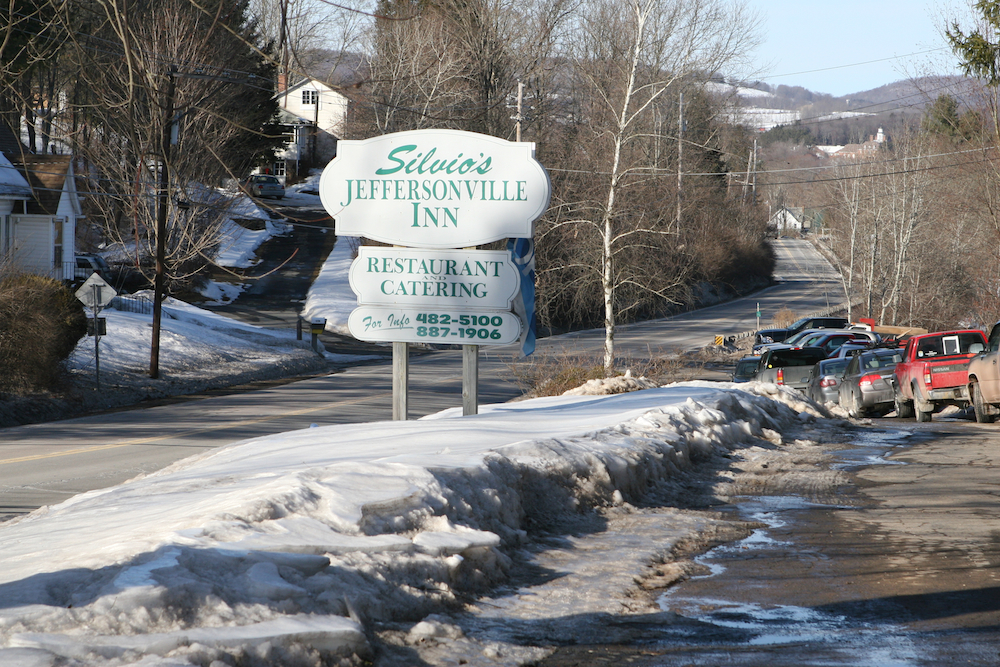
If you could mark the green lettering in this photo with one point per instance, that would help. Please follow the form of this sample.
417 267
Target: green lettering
385 171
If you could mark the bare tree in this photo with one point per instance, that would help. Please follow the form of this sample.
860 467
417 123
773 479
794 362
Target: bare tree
173 98
629 57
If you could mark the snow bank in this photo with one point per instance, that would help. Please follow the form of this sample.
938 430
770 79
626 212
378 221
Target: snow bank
283 549
330 295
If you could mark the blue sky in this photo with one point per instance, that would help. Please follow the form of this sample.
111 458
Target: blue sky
849 46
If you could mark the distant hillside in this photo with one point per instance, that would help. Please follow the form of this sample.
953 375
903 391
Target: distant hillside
907 94
910 93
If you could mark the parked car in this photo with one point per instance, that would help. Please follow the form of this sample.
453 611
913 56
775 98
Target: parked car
263 186
866 387
746 369
847 350
88 264
779 335
789 366
934 372
824 380
984 379
828 339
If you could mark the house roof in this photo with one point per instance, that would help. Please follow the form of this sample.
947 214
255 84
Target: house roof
46 175
286 117
12 183
10 145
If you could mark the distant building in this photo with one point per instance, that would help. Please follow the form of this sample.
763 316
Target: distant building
312 114
39 209
794 219
868 149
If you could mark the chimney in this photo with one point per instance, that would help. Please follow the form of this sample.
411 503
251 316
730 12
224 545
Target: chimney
282 83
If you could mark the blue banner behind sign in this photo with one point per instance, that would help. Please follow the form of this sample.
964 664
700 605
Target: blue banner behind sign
522 252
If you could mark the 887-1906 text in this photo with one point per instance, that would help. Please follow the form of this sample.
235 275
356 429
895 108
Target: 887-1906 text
467 332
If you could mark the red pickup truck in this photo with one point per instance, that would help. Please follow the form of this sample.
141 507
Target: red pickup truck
934 372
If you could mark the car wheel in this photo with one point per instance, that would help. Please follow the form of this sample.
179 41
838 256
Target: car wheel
857 411
904 408
923 416
979 406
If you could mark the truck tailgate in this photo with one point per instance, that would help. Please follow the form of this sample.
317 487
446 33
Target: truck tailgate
953 374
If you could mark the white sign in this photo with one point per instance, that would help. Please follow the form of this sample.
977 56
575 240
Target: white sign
429 325
96 292
485 279
435 189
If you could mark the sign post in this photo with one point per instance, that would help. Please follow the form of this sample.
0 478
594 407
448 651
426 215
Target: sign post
435 195
96 293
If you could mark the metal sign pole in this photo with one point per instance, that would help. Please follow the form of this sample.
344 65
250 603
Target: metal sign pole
96 308
400 380
96 293
470 379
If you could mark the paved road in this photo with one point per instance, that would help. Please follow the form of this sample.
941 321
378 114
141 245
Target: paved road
900 568
46 463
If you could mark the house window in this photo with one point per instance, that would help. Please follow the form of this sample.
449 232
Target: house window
278 168
310 97
57 237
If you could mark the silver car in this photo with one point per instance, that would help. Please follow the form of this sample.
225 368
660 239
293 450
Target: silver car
867 384
824 382
263 186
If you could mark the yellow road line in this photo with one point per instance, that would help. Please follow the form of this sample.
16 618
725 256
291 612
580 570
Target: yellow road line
182 434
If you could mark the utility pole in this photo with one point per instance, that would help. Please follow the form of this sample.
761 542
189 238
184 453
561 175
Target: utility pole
161 219
680 156
517 118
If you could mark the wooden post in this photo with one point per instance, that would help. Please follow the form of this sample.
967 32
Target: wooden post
470 379
400 380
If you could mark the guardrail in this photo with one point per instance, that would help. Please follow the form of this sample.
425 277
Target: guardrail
732 338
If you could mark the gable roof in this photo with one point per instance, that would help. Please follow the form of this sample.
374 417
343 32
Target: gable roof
47 176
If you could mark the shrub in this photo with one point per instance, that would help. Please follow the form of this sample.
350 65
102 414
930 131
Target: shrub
784 318
41 322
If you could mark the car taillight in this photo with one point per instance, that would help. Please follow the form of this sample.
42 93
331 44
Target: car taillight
867 381
828 382
781 376
927 375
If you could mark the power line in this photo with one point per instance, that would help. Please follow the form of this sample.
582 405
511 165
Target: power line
867 62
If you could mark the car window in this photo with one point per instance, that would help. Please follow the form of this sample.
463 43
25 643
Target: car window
952 344
994 338
782 358
929 347
837 367
799 336
874 361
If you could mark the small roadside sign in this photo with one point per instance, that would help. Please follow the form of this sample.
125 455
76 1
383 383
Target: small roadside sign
95 292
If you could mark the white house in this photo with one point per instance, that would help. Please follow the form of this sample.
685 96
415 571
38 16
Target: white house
787 220
39 209
314 115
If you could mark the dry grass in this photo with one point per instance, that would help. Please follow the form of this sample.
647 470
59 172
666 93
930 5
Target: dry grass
784 318
554 374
